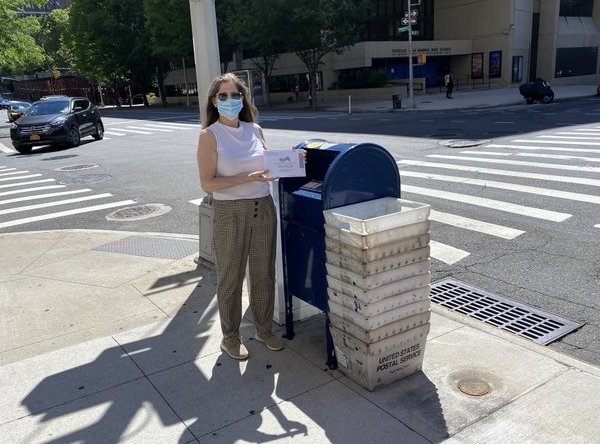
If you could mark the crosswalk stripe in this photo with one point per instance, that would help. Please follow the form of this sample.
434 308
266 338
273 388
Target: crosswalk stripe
6 149
592 130
134 131
566 142
19 177
181 125
3 169
27 190
536 176
114 133
520 162
475 225
589 198
145 127
12 172
597 226
196 201
541 156
54 203
171 126
445 253
499 205
29 220
581 137
540 148
581 133
31 182
42 196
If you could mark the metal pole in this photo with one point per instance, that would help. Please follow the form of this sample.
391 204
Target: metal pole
411 102
187 90
206 45
349 104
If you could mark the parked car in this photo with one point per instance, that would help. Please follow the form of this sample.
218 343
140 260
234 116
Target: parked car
4 102
538 90
59 120
16 109
138 99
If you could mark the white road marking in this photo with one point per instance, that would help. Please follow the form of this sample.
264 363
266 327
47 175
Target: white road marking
580 133
445 253
11 172
114 133
542 156
581 137
536 176
540 148
134 131
499 205
475 225
172 126
29 220
145 127
27 190
521 163
42 196
196 201
589 198
20 177
6 149
54 203
31 182
554 141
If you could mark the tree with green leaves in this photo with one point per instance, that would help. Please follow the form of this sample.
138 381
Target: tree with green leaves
51 37
18 48
319 27
109 41
261 30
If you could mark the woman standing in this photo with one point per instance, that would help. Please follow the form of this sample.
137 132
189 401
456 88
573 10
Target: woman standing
231 166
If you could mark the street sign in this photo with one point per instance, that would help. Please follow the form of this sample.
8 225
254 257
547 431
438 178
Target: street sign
403 29
404 21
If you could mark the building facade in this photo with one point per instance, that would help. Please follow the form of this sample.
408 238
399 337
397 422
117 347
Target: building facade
482 42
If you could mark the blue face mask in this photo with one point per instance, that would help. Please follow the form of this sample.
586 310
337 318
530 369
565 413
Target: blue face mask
230 108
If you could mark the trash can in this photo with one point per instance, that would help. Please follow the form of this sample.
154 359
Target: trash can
337 174
396 101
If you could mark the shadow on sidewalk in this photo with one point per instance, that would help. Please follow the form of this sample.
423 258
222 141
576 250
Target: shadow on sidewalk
178 375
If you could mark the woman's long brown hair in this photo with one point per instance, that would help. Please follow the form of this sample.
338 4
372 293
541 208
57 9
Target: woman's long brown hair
248 112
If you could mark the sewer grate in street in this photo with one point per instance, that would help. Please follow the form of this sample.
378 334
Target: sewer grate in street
502 312
82 166
85 179
155 247
139 212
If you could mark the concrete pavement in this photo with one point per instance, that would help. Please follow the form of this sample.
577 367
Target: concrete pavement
113 337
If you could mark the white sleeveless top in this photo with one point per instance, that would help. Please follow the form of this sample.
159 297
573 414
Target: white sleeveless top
239 151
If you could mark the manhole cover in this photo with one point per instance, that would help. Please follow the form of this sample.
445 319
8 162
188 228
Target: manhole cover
66 156
139 212
474 387
462 143
85 179
502 312
77 167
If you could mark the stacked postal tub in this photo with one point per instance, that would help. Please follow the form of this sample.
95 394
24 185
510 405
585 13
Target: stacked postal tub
378 276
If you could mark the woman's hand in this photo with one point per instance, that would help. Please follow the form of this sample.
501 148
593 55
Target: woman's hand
261 176
301 150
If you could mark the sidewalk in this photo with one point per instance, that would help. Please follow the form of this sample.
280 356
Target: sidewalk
461 99
114 337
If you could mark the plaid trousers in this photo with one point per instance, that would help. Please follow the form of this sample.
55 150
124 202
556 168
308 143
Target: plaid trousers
244 232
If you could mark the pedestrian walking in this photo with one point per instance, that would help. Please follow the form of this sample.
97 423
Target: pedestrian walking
449 82
231 166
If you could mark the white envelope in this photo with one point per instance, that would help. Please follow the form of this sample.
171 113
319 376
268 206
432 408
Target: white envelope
285 163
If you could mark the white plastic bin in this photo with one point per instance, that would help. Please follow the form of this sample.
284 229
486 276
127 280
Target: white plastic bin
380 238
375 365
380 265
379 279
382 326
385 291
370 254
377 215
382 306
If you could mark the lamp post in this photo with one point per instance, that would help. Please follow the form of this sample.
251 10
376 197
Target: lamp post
411 92
206 45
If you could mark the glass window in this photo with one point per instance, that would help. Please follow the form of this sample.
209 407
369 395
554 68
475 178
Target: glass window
517 69
576 61
576 8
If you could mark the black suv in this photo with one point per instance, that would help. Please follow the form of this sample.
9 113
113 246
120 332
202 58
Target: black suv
56 120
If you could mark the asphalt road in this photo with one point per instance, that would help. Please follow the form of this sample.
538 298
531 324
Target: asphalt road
516 203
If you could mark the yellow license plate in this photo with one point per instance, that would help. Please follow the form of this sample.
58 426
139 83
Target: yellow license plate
34 137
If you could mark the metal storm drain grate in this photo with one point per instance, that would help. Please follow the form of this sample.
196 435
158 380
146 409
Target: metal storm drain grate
500 311
155 247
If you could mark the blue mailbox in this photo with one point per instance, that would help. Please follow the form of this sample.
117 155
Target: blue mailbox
337 174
